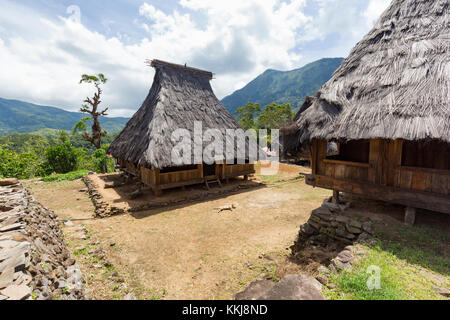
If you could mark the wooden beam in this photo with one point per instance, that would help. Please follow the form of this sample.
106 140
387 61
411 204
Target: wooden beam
347 163
411 198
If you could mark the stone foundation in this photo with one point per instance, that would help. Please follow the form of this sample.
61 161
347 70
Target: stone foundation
332 230
34 260
330 221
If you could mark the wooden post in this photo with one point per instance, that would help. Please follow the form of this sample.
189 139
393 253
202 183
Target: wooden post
246 177
336 196
410 215
200 168
158 192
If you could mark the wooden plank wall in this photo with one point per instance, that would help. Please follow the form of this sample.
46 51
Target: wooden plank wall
155 178
236 170
384 168
179 176
338 169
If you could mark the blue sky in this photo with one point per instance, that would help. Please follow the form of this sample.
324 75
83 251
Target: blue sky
44 47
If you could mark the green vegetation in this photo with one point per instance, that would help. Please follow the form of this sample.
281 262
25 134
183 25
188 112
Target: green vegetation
272 117
284 87
25 156
66 176
246 115
61 158
409 267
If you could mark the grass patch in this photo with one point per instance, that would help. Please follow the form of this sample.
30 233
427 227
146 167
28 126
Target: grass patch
66 176
404 270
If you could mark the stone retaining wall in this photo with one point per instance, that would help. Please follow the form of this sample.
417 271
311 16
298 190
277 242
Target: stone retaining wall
331 221
34 260
102 208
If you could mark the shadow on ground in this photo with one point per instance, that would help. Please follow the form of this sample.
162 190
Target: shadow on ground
148 204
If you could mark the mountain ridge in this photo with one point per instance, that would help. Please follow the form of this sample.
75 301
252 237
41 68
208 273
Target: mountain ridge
284 86
17 116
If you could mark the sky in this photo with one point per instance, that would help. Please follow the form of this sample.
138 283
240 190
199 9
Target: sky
46 45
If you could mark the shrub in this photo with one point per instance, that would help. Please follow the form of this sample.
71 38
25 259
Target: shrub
19 165
61 158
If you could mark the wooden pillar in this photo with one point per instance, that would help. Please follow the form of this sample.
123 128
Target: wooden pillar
246 177
314 157
223 170
157 192
410 215
200 168
335 196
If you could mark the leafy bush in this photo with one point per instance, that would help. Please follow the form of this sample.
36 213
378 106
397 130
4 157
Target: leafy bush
25 156
61 158
19 165
74 175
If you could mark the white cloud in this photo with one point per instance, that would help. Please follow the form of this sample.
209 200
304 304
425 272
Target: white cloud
374 10
43 59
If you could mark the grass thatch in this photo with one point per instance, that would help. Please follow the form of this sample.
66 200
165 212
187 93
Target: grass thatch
178 97
395 83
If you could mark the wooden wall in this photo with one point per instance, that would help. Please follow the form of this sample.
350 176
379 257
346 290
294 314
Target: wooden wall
383 168
235 170
155 178
177 178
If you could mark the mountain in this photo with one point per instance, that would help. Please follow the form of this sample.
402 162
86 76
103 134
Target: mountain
22 117
284 86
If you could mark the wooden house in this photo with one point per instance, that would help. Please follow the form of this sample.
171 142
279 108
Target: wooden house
179 97
380 127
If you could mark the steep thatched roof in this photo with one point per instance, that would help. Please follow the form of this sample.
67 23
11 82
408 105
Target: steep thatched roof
394 84
179 97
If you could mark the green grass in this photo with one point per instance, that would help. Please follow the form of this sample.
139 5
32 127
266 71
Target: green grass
66 177
403 270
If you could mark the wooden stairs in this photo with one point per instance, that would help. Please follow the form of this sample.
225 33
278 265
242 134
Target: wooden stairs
211 180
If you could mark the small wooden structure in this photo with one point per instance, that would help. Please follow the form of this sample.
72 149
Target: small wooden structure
380 127
174 177
180 96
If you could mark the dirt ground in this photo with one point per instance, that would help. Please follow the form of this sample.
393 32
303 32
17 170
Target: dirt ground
190 251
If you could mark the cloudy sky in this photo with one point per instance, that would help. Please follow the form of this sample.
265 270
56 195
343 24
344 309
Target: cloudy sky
45 45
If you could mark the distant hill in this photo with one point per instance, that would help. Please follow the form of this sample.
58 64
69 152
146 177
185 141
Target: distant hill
22 117
284 86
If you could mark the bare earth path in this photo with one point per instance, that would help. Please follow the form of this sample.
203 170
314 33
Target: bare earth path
189 252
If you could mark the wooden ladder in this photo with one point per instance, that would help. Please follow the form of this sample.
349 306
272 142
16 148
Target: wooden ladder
212 179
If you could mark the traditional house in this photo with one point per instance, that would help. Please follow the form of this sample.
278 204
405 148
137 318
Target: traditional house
387 109
180 98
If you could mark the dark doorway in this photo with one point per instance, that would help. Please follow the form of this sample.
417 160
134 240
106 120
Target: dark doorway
209 170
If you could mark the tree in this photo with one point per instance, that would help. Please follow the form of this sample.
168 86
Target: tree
246 115
91 107
274 116
61 158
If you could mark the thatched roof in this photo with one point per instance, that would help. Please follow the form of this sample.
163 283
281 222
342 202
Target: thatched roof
394 84
179 96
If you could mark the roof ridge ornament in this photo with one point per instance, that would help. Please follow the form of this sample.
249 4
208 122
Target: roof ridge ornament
155 63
